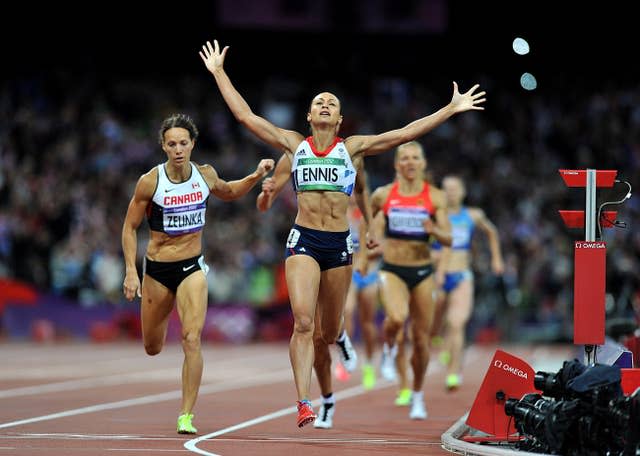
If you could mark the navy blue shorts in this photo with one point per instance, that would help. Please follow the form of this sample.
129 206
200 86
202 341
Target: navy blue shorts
172 273
330 249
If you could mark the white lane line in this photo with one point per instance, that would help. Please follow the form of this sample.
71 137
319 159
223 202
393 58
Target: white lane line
354 391
334 440
147 450
433 368
73 385
66 436
132 377
273 377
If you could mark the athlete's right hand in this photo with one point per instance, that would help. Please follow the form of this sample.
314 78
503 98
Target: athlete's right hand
131 286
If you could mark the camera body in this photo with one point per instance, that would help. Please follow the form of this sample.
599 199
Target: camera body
581 411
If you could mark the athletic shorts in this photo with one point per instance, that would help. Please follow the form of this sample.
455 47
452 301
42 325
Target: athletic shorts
361 282
410 275
172 273
453 279
330 249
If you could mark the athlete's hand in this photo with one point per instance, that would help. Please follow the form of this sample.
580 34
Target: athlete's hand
265 166
268 185
372 240
497 266
131 286
469 100
212 57
428 225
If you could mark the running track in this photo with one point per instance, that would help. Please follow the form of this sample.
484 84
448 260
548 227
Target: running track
94 399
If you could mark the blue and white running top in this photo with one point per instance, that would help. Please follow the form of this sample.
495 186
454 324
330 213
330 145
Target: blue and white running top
462 227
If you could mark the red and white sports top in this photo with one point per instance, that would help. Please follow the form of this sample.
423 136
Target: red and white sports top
405 214
331 170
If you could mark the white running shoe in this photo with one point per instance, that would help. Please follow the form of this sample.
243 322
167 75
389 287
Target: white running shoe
418 410
348 354
325 416
388 363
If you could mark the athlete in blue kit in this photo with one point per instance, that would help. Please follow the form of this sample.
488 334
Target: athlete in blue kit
319 248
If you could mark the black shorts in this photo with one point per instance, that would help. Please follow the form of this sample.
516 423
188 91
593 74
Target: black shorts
172 273
330 249
410 275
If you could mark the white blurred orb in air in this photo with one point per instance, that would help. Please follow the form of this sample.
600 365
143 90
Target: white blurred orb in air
520 46
528 81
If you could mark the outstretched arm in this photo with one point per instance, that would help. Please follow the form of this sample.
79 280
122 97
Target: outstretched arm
277 137
375 144
482 222
271 186
228 191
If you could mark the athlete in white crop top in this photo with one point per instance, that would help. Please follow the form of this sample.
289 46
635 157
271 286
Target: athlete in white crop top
322 186
174 195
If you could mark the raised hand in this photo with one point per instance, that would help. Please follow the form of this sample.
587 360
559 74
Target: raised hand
212 57
462 102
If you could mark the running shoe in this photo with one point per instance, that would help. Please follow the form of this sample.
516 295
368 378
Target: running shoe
368 376
341 373
305 413
184 424
388 363
437 341
325 417
403 398
444 357
418 410
348 354
453 382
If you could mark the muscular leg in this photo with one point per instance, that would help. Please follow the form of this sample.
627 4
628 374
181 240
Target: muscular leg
395 299
155 308
422 308
401 360
192 309
439 315
349 307
367 300
303 281
460 305
332 294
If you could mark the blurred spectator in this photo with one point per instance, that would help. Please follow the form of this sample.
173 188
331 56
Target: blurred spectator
72 147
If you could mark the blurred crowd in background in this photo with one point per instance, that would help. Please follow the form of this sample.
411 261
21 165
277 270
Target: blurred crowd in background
72 147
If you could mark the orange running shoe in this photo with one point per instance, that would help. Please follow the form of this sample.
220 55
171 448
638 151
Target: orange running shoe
341 373
305 413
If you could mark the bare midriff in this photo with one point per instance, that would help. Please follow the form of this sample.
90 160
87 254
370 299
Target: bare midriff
163 247
405 252
325 211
